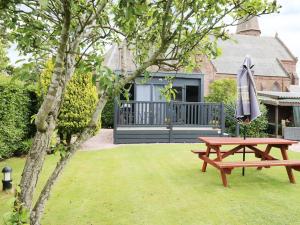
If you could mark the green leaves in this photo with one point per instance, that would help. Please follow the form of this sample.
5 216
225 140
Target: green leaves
168 92
16 107
20 215
223 90
79 103
43 3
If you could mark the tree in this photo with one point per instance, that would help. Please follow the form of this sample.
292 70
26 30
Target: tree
167 34
4 60
223 90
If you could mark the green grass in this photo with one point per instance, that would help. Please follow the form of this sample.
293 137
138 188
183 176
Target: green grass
162 185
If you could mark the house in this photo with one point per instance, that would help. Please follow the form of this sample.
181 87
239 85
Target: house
148 118
275 65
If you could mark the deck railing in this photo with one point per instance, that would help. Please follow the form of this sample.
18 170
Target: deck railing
145 113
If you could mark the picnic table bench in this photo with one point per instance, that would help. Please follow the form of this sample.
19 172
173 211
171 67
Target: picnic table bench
214 145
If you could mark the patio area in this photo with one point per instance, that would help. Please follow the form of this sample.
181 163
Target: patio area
162 184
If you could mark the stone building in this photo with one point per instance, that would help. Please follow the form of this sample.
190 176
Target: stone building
275 65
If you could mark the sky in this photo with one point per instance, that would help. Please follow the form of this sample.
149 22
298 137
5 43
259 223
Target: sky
286 24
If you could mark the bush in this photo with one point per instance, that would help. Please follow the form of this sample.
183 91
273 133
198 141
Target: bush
17 105
256 128
225 90
107 117
80 100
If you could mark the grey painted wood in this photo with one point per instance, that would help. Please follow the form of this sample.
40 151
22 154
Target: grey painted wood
276 120
163 117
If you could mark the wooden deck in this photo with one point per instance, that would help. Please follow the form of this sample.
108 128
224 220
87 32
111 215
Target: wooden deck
130 135
164 122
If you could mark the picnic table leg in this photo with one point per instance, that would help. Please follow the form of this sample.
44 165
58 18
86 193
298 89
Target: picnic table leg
223 175
204 165
268 149
288 168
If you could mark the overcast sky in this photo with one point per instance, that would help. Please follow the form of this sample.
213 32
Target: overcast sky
286 24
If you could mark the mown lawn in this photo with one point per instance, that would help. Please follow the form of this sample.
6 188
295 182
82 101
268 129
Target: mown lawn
162 185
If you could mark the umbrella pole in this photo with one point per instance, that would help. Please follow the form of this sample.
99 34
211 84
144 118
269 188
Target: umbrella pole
244 150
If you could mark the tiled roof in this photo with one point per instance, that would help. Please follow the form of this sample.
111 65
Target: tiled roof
264 51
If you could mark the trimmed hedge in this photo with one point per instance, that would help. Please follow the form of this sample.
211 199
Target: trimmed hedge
17 104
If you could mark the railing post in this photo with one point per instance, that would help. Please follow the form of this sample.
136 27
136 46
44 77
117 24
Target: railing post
151 113
222 118
171 122
116 118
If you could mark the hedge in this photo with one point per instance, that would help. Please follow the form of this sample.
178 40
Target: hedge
17 104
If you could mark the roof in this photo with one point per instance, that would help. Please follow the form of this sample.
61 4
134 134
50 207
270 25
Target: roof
279 94
279 98
264 51
162 74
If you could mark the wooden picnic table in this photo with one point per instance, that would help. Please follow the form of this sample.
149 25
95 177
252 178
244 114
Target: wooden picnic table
214 145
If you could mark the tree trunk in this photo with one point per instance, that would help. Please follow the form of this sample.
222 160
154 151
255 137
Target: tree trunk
37 212
34 164
45 119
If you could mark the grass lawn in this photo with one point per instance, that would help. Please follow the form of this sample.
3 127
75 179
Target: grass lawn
162 185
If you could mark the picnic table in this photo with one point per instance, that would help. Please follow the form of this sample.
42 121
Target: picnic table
214 145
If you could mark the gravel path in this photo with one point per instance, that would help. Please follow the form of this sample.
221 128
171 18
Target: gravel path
103 140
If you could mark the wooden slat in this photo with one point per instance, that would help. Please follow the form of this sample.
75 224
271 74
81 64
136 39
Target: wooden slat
259 163
213 152
247 141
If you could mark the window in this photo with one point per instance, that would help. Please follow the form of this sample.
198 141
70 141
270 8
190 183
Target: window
192 93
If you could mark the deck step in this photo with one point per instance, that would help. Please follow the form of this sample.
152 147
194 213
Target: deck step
259 163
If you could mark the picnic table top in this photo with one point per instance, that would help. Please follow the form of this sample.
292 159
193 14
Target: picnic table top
248 141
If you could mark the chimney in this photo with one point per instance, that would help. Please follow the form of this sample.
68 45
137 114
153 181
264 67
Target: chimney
248 26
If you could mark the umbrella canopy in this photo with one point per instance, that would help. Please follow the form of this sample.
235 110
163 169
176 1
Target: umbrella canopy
247 105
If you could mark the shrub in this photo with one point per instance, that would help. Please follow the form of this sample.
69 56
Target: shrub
17 105
107 117
79 102
256 128
225 90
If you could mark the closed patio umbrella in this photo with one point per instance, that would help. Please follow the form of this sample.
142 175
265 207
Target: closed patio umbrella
247 108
